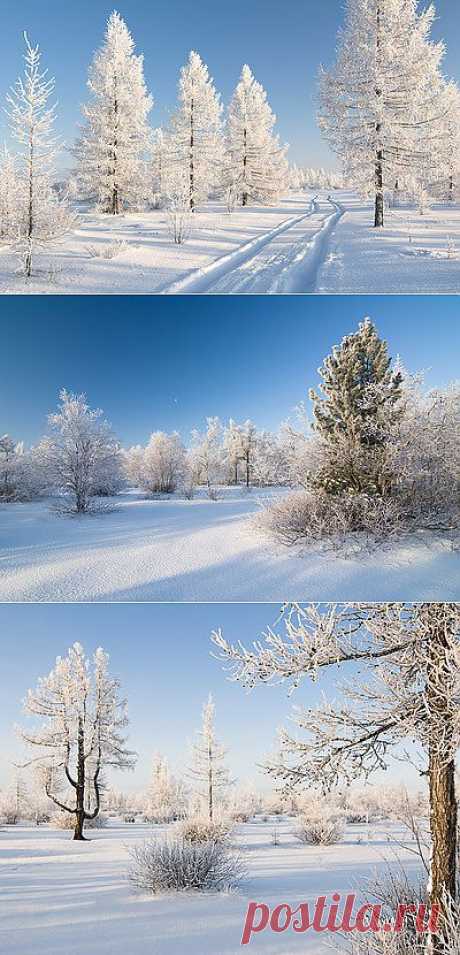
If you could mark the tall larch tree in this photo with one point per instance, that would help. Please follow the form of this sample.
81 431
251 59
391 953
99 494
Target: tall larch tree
82 720
380 103
195 142
257 168
208 771
407 688
113 148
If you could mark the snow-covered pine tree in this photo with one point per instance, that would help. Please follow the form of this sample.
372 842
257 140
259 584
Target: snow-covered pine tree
81 454
380 103
409 688
256 163
208 771
115 139
195 141
37 215
360 401
81 732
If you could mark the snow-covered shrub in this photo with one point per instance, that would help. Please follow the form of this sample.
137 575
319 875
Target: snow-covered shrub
312 516
111 251
63 820
323 827
179 219
176 865
163 463
197 830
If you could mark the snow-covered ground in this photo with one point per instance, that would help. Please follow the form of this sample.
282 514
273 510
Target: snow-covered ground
173 549
65 898
301 245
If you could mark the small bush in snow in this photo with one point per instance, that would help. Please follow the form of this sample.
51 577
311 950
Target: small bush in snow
240 816
107 251
196 830
320 828
176 865
63 820
179 219
100 822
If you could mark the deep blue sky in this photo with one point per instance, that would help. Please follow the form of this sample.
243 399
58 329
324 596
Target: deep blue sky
165 363
284 43
162 655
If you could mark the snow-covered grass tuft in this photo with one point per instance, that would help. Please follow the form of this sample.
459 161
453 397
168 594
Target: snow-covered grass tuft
111 251
175 865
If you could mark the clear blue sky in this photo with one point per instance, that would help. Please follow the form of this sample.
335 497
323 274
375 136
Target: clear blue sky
165 363
284 43
162 655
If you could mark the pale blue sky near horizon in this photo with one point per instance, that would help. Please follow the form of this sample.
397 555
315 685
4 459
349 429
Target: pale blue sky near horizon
167 362
162 654
283 43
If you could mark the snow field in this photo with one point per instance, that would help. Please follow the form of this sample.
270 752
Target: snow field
61 896
173 549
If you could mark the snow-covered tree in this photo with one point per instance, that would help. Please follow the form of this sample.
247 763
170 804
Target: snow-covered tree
165 798
81 455
256 162
195 144
239 443
163 467
407 687
115 138
159 167
38 216
361 400
380 104
205 455
9 195
208 771
81 732
446 145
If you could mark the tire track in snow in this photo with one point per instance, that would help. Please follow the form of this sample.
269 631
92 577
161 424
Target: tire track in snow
255 268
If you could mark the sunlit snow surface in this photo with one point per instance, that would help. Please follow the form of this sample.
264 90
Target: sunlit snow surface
303 244
65 898
174 549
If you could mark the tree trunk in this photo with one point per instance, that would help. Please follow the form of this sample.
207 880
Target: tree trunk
80 788
30 213
378 177
210 786
247 468
443 803
235 477
192 164
244 198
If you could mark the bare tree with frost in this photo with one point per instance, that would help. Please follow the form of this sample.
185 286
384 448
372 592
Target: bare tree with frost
380 103
37 215
256 162
81 733
205 455
208 772
404 685
115 140
194 140
81 454
9 195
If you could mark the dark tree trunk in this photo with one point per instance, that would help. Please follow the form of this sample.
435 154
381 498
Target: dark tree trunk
80 788
210 786
235 473
378 176
192 164
247 468
443 803
244 198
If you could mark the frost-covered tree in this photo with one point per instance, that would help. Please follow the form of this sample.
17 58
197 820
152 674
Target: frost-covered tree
360 400
240 443
159 167
256 162
38 216
163 467
81 732
205 455
405 668
115 138
81 455
165 799
9 195
379 105
446 145
208 771
195 137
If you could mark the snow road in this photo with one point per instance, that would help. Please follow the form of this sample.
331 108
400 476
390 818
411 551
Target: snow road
199 550
285 259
